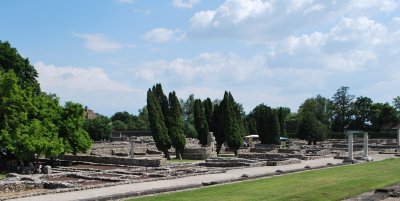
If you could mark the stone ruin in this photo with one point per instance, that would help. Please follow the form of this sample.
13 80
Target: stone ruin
138 160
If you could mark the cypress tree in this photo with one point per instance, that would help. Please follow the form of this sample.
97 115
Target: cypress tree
232 125
208 112
163 102
273 137
175 130
217 126
157 124
200 122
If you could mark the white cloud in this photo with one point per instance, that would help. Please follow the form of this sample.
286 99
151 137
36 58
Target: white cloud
313 41
314 8
82 80
161 35
184 3
126 1
230 12
99 43
204 67
297 5
382 5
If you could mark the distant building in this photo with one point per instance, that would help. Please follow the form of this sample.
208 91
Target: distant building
89 114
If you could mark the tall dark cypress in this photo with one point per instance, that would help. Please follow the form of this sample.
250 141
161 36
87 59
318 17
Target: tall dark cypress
157 125
232 126
175 129
208 112
200 122
163 101
217 126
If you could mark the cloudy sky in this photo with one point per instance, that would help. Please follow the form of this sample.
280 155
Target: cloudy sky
106 53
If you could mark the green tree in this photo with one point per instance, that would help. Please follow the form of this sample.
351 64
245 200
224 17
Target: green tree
200 122
361 112
143 120
157 124
283 113
319 108
383 114
119 125
267 124
208 111
177 137
311 129
218 125
76 139
10 59
99 129
28 122
232 124
342 103
188 116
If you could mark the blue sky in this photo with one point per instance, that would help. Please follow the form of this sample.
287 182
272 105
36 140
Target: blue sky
106 53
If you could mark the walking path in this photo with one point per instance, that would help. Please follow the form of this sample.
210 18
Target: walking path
135 189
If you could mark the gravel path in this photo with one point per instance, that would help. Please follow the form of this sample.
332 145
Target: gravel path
129 190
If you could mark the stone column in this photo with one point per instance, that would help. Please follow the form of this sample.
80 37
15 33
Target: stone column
398 138
350 158
366 157
351 146
132 151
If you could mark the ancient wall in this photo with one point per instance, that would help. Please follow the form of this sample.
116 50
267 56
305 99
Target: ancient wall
147 162
199 153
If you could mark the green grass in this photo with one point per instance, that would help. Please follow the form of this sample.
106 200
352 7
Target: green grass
326 184
2 175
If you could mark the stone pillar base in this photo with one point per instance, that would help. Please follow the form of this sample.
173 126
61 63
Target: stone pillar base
350 160
367 158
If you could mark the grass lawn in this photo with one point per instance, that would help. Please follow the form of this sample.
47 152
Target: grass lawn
2 175
326 184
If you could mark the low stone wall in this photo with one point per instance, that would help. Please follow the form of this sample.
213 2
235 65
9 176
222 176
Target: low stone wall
260 155
198 153
147 162
283 162
16 186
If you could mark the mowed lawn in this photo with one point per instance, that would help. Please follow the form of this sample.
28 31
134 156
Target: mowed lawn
327 184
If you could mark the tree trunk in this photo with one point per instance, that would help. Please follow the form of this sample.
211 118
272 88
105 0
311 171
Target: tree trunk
166 155
235 152
178 154
309 142
218 148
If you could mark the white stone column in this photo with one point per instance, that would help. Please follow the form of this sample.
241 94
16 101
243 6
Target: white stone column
350 146
132 151
366 157
398 137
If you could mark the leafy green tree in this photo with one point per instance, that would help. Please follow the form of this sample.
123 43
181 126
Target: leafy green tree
28 122
119 125
143 120
10 59
76 139
361 112
188 116
342 103
319 108
251 125
292 121
177 137
99 129
200 122
162 101
383 114
311 129
157 124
